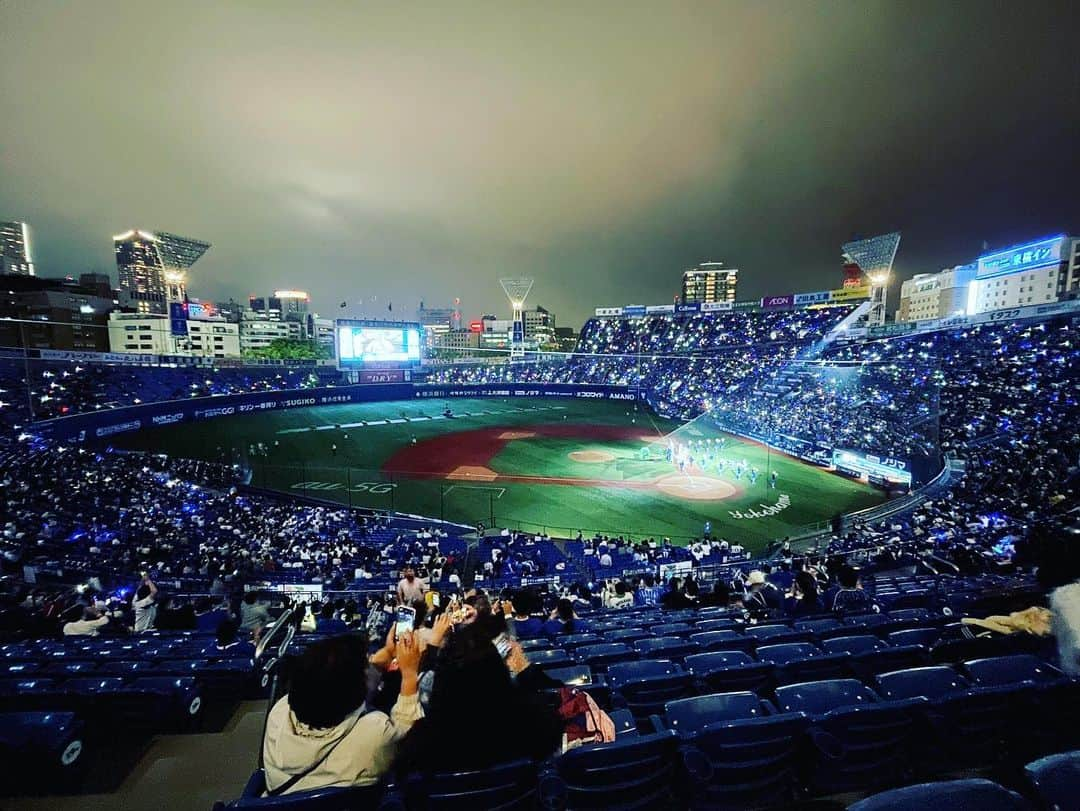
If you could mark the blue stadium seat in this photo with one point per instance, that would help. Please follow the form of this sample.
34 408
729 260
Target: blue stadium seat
973 794
599 657
858 741
706 625
671 629
823 628
971 726
19 669
736 753
801 661
572 641
1056 780
633 772
1003 670
856 644
572 675
723 640
730 671
539 643
868 665
626 635
321 799
624 722
667 647
37 744
549 658
914 636
646 686
689 714
775 634
509 786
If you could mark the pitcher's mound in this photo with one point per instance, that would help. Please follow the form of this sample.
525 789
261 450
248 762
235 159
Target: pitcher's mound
696 488
472 473
591 457
508 435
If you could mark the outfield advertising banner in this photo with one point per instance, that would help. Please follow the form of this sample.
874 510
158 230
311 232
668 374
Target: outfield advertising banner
634 309
101 425
688 309
660 308
844 294
805 299
608 312
584 392
777 302
715 306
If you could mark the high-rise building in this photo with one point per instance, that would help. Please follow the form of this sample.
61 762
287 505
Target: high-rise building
709 282
294 304
54 314
152 268
15 248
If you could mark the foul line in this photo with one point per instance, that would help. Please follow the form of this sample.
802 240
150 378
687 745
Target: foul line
502 490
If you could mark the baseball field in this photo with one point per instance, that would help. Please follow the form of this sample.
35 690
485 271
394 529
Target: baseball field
557 465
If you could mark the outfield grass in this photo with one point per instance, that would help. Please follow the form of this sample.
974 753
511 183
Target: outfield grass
538 480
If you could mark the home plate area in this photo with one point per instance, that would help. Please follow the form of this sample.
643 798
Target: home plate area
696 488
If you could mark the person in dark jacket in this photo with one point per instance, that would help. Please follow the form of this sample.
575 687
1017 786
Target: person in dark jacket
473 681
564 621
803 599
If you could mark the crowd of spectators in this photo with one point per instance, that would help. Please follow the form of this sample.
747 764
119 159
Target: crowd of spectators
683 364
60 388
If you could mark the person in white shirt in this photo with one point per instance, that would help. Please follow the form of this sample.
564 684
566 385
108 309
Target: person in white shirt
91 623
323 733
143 604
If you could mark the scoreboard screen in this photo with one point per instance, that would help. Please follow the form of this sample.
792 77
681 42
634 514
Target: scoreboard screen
378 344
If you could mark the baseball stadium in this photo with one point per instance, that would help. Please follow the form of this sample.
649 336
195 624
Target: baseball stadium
563 467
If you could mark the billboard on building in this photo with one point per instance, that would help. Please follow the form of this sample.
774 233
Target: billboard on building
1022 257
178 318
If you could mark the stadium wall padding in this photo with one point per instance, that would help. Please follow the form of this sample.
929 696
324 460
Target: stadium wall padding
103 424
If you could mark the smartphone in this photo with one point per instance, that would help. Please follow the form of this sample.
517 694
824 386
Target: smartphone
404 620
502 644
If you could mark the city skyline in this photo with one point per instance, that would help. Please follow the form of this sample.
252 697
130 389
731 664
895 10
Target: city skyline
597 155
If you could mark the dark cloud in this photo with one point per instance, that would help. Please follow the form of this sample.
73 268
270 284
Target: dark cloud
414 151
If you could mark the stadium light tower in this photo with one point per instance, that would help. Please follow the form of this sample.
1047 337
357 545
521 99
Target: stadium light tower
875 256
517 290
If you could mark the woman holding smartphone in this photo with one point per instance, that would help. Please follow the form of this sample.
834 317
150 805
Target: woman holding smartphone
323 732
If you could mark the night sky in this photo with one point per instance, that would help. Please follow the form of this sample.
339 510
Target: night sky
410 150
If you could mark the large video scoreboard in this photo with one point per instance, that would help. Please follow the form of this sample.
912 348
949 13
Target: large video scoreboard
377 344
